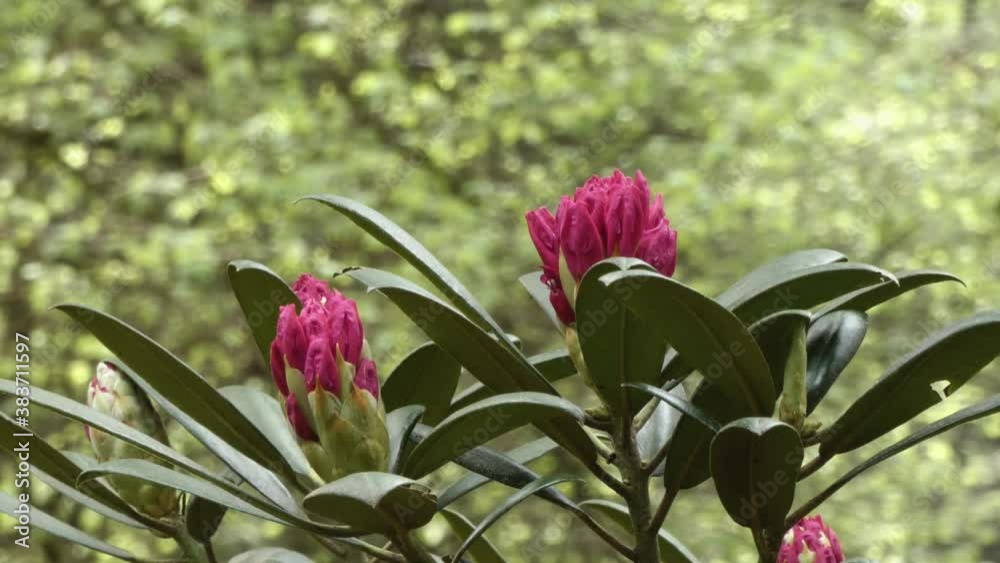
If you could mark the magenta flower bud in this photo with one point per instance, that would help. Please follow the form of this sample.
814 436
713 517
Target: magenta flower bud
329 385
607 216
810 541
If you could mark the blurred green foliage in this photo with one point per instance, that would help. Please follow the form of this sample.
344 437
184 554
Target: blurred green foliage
144 144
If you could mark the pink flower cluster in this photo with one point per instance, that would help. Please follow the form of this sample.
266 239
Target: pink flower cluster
810 541
607 216
311 341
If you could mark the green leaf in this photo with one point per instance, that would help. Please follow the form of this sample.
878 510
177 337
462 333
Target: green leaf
774 335
832 342
270 555
402 243
258 476
176 382
481 549
426 376
654 435
618 345
261 293
803 289
870 297
499 368
755 464
709 337
204 517
912 385
509 469
555 365
671 549
678 403
505 507
481 422
268 415
753 282
979 410
400 423
72 493
539 293
374 502
60 469
10 506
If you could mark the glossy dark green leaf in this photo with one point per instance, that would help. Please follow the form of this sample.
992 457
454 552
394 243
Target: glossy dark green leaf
918 381
762 277
10 505
868 298
755 465
539 293
62 471
505 507
832 342
508 468
481 422
660 427
260 293
500 369
618 345
268 415
554 366
270 555
979 410
426 376
402 243
774 335
671 549
176 382
400 423
710 338
374 502
79 497
679 404
203 517
804 289
482 550
257 475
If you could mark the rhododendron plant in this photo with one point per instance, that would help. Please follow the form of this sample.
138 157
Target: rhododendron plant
688 387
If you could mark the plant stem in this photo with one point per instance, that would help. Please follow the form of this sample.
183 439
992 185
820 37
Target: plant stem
195 550
412 551
636 484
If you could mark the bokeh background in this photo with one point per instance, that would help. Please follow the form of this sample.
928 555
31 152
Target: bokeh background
146 143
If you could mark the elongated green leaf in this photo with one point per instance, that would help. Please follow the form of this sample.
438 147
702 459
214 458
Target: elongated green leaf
555 365
204 517
755 465
979 410
258 476
426 376
774 335
60 469
618 345
505 507
485 420
401 423
539 293
761 278
72 493
176 382
680 404
13 508
870 297
660 427
261 293
494 365
268 415
374 502
402 243
270 555
486 465
710 338
917 382
482 549
804 289
832 342
671 549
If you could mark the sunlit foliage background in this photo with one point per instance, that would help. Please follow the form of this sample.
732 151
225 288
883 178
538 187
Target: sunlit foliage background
144 144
